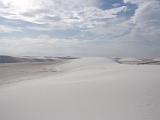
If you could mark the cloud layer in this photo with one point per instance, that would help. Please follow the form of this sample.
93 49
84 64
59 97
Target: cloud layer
58 13
128 28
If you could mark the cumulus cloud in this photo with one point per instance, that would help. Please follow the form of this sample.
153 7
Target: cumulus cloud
144 25
146 20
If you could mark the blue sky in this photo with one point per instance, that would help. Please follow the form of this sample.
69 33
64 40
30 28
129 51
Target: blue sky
113 28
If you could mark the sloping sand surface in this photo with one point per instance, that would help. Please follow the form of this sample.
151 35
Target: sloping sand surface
16 72
86 89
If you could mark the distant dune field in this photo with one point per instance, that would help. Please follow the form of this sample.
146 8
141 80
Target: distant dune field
138 61
16 69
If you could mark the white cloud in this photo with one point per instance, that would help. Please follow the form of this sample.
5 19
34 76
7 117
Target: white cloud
58 13
42 45
8 29
147 21
144 25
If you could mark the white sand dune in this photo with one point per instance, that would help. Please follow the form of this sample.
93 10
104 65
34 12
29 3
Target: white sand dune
86 89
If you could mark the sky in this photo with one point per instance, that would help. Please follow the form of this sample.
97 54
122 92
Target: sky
109 28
